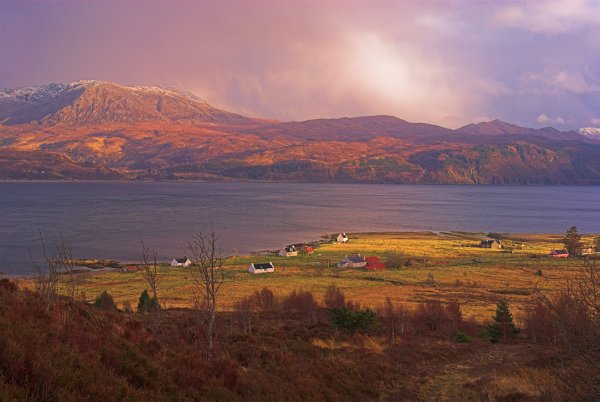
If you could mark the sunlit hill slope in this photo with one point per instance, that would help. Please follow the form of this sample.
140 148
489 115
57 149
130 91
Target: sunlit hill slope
100 130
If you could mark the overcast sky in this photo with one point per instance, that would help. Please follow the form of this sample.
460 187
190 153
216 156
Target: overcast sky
534 63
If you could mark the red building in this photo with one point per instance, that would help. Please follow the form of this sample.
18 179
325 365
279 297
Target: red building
374 264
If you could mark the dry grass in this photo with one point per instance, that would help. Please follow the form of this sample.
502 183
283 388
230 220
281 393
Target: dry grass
476 277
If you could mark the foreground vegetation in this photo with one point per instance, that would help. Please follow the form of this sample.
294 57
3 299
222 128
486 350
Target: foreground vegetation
449 321
285 348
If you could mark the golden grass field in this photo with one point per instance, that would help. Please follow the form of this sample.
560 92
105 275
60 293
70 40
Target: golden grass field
448 256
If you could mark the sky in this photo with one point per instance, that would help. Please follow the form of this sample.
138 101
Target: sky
453 62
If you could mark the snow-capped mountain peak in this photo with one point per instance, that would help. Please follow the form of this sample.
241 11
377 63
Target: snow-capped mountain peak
590 132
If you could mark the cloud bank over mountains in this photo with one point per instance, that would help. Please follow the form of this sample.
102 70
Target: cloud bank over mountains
534 63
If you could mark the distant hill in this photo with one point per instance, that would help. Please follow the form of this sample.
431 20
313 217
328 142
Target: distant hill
101 130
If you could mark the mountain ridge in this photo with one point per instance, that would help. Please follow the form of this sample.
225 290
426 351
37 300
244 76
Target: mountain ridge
151 132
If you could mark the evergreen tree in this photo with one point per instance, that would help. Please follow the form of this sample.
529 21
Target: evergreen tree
503 326
597 244
147 303
572 241
104 301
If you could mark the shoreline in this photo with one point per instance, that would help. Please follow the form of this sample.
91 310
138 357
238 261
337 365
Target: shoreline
399 235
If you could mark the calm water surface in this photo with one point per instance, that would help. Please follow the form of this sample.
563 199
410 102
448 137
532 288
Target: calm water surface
108 220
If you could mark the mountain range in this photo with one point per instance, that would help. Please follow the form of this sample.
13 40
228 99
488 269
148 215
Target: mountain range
90 130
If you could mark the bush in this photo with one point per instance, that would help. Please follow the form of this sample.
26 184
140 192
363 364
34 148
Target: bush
396 260
461 337
146 303
244 310
104 301
361 320
265 299
334 298
540 323
302 303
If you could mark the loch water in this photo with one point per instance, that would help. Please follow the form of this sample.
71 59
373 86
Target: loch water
108 219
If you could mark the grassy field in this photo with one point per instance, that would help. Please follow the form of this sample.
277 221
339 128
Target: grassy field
448 266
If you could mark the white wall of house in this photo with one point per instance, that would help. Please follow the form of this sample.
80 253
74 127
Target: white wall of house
253 270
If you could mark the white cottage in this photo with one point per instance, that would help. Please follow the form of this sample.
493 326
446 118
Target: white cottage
261 268
352 261
181 262
288 251
342 238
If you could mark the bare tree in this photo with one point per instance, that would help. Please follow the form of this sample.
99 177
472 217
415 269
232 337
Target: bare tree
64 252
151 272
571 317
207 274
57 259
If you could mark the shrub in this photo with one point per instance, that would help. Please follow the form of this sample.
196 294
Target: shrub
244 309
435 316
539 321
146 303
394 319
265 299
302 303
461 337
104 301
396 260
359 320
430 279
334 298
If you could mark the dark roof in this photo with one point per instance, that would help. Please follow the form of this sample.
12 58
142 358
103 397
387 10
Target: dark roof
181 260
265 265
490 241
356 258
560 251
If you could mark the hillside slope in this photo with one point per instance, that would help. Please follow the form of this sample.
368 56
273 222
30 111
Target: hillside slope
151 132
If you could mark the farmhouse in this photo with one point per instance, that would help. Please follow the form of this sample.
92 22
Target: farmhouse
342 238
490 243
181 262
288 251
352 261
558 254
256 268
374 264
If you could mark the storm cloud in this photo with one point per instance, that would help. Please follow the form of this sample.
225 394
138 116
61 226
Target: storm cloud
450 63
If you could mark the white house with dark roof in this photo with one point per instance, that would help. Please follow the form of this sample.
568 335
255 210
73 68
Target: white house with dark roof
352 261
181 262
342 238
288 251
256 268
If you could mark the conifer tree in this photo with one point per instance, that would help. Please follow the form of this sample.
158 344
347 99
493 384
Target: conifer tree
104 301
572 241
503 326
146 303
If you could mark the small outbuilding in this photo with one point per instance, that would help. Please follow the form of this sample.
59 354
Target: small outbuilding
558 254
181 262
288 251
342 238
308 249
352 261
491 243
260 268
374 264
